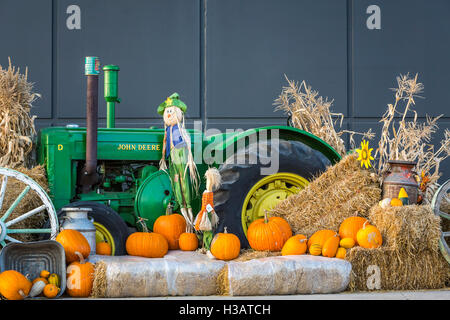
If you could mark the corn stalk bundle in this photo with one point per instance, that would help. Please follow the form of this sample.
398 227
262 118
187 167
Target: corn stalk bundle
409 140
16 125
311 112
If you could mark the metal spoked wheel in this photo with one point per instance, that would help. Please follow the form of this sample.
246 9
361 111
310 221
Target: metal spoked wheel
441 195
8 227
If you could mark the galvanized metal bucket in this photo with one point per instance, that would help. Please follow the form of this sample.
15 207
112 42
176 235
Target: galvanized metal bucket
77 219
30 258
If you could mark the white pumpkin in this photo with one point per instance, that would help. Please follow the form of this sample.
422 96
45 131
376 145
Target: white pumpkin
37 288
385 203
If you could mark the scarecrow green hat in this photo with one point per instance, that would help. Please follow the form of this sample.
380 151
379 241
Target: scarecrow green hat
172 100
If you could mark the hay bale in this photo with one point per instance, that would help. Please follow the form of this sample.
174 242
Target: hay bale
409 258
344 190
29 202
178 273
388 269
282 275
16 125
100 284
410 229
250 254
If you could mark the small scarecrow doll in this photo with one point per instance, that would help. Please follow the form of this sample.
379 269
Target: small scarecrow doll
177 145
207 219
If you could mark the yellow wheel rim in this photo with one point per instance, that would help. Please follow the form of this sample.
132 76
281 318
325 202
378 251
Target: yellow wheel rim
102 234
267 192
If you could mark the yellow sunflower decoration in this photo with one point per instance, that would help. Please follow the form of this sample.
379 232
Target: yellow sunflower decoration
365 154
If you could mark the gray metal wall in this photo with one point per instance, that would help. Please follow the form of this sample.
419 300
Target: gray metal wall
227 58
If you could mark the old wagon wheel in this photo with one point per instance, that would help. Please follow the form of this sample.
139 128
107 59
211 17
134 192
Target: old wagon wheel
7 229
438 198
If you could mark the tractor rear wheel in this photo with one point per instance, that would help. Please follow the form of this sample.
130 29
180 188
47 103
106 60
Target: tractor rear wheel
245 193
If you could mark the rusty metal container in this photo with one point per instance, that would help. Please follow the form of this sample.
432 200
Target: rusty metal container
400 175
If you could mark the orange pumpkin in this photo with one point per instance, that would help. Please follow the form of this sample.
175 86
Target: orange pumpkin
284 225
14 285
171 226
319 237
103 248
295 245
369 237
80 278
225 246
331 246
73 241
268 234
39 279
188 241
147 244
350 227
51 291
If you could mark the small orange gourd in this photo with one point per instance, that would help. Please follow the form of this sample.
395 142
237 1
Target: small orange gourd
341 252
315 249
295 245
44 274
330 246
369 237
51 291
395 202
347 243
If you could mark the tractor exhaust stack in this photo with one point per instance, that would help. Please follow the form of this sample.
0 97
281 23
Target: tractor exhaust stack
89 175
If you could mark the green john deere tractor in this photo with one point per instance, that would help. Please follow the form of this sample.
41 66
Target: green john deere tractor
115 171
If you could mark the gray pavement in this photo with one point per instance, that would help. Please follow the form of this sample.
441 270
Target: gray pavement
443 294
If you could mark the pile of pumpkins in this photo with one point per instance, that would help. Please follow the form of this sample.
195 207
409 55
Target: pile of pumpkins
275 234
79 273
169 233
16 286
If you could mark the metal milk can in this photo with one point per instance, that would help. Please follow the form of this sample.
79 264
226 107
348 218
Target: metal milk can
77 219
400 175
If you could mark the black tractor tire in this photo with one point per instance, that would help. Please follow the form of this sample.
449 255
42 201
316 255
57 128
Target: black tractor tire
237 179
109 218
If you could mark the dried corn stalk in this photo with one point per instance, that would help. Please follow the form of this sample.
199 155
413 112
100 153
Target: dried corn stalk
410 140
311 112
16 125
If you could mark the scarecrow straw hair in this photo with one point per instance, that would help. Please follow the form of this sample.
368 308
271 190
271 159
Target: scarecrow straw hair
311 112
16 126
344 190
410 140
29 202
409 258
213 179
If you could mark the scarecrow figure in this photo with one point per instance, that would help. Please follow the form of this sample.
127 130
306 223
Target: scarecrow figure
207 218
177 145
